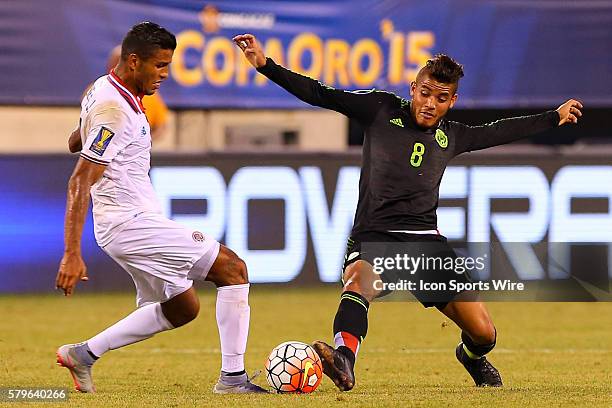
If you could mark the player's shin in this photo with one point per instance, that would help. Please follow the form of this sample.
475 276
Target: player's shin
141 324
233 316
351 324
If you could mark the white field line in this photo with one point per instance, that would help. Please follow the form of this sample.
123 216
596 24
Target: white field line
205 350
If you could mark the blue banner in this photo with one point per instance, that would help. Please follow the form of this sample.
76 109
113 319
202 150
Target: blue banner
515 53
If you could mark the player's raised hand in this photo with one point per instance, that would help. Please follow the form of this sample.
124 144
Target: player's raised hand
71 270
569 112
251 48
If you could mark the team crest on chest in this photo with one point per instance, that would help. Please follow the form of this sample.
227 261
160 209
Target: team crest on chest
441 138
397 122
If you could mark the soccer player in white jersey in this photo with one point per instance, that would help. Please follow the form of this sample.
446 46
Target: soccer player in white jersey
162 256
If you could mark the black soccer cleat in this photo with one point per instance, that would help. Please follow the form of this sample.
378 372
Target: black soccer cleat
336 366
483 372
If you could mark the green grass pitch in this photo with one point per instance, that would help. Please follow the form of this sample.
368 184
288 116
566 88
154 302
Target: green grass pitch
549 354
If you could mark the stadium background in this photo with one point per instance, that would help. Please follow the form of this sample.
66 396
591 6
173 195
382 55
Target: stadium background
277 181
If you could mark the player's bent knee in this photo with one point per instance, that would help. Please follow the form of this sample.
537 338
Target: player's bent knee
482 340
357 271
353 276
180 317
348 275
485 334
359 278
235 273
241 275
185 315
228 269
181 320
181 309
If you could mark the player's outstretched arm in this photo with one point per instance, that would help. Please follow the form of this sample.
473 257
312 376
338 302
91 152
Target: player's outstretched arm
72 268
508 130
361 105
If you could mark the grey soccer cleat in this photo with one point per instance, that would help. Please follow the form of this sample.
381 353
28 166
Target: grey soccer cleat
81 373
240 384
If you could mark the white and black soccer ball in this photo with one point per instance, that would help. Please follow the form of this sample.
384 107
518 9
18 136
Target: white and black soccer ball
294 367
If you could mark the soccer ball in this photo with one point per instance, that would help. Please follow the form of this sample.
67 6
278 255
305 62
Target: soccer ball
295 367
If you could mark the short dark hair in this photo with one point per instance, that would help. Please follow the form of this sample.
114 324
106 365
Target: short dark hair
443 69
145 38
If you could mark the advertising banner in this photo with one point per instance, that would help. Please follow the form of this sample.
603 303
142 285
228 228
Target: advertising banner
289 215
515 53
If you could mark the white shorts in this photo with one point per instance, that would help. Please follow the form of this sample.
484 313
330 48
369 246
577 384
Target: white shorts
162 256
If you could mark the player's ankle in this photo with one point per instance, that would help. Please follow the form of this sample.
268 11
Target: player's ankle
348 353
233 378
233 373
84 354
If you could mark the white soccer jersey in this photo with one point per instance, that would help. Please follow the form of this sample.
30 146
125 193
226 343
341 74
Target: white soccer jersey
116 134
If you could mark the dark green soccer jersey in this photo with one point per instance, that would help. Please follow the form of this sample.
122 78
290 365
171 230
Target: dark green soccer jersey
402 164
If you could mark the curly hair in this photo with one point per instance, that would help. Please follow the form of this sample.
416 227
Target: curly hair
443 69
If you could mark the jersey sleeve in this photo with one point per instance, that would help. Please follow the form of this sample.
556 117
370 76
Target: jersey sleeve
503 131
106 133
362 105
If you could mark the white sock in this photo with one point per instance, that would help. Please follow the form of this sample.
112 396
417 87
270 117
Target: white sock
233 315
141 324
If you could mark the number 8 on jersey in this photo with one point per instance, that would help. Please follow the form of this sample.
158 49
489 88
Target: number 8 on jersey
417 154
